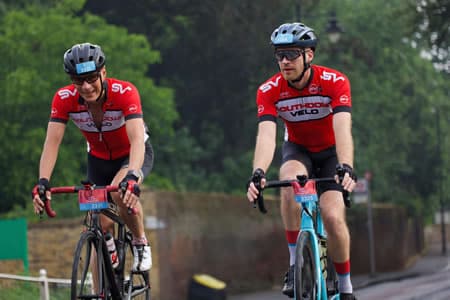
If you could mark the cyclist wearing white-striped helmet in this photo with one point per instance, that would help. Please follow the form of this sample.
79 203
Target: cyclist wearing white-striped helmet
315 104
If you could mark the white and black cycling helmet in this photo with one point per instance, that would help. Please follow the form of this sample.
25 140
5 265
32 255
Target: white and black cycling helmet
294 34
83 59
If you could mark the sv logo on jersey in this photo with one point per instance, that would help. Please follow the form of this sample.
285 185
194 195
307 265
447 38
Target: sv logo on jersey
331 76
63 94
268 85
117 87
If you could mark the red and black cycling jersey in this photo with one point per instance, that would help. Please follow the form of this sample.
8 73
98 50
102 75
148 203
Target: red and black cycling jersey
307 113
122 103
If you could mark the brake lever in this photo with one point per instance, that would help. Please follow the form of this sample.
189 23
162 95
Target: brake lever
260 199
346 194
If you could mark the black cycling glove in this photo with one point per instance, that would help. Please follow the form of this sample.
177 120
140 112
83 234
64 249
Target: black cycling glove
341 169
256 178
40 188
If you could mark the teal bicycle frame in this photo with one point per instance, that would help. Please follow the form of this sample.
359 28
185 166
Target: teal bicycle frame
311 222
315 229
312 237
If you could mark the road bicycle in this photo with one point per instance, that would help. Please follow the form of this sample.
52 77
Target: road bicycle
93 274
314 274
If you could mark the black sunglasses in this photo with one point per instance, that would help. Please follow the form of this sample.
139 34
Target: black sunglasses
91 78
290 54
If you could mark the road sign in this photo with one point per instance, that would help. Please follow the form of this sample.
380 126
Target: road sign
361 187
361 191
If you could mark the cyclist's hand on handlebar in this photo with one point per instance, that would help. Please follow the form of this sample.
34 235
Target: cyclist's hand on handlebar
346 177
40 190
130 190
255 183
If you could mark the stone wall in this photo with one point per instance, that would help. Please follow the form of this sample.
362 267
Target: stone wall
223 236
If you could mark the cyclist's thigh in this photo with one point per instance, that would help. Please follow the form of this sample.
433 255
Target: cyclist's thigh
295 161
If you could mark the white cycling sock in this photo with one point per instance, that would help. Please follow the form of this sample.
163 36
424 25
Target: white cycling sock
345 284
291 254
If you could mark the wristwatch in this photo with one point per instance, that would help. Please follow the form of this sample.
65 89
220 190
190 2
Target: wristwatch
136 175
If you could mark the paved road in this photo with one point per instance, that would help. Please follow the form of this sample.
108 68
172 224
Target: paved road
428 278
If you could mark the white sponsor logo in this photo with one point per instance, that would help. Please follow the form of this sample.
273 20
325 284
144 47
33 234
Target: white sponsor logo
117 87
112 120
304 108
54 111
260 108
65 93
331 76
284 94
132 108
313 88
344 99
268 85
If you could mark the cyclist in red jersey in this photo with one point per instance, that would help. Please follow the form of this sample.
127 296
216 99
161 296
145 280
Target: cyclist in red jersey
108 112
314 103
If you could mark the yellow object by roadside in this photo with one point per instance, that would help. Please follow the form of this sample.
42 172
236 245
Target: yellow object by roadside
209 281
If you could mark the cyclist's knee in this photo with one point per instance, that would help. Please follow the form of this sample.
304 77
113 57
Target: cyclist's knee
292 168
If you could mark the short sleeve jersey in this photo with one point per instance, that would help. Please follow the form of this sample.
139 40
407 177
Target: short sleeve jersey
111 140
307 113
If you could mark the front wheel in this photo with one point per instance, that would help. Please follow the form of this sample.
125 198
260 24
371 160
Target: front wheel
88 270
305 274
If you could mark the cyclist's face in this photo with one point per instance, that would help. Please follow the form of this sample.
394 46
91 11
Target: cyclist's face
290 61
89 86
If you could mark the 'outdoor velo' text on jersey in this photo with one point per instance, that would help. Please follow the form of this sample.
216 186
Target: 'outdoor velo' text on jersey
111 140
307 114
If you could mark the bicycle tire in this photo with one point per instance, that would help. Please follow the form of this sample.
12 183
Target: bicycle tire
136 285
331 280
305 270
84 263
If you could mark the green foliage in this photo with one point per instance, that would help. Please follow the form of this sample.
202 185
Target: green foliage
211 59
30 290
32 43
431 29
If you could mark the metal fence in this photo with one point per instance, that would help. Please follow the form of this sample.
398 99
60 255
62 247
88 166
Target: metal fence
43 281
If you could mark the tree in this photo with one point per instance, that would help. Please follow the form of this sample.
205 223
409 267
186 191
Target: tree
431 30
393 90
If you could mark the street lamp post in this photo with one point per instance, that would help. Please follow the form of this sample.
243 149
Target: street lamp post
441 177
333 29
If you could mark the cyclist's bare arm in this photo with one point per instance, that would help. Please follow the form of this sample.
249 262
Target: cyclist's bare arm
264 152
135 131
342 125
55 134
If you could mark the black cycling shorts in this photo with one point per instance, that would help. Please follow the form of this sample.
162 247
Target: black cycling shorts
318 164
102 172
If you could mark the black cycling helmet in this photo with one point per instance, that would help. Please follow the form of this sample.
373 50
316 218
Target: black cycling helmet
83 58
294 34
